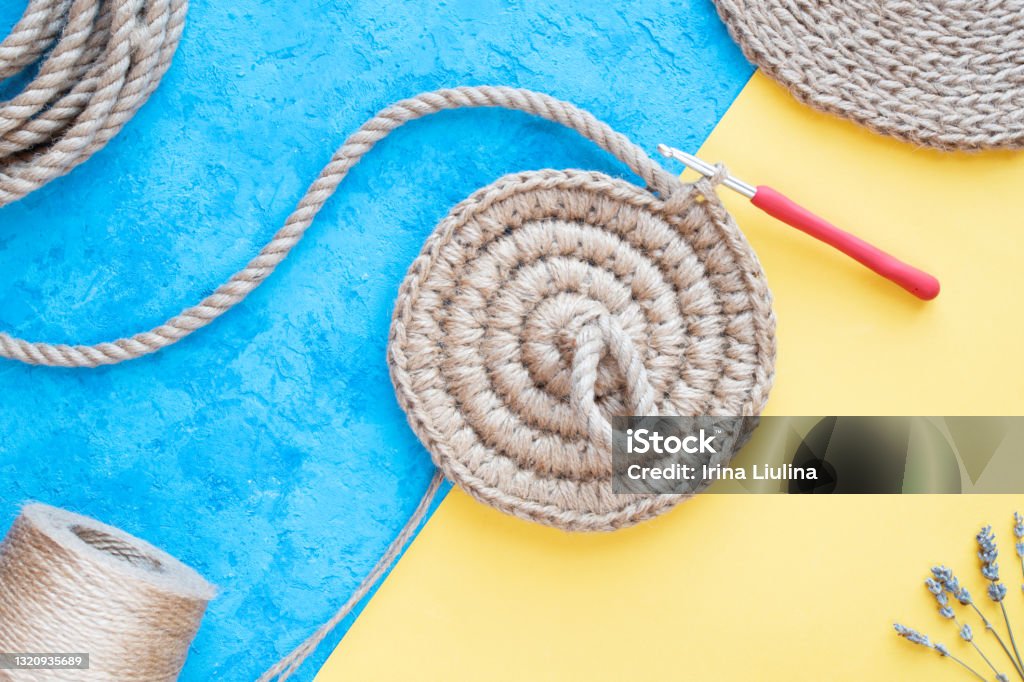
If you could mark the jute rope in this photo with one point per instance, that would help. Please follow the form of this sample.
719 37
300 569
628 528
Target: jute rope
243 282
941 73
103 59
69 584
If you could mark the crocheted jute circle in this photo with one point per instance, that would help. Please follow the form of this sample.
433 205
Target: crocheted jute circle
550 301
941 73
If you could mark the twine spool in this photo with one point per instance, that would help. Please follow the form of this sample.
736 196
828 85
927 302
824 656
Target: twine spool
99 61
69 584
940 73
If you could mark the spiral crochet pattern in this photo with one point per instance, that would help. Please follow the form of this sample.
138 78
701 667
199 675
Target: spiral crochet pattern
940 73
552 300
100 61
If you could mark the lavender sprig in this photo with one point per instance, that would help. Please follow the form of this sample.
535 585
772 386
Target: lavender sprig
944 576
912 635
988 553
916 637
938 590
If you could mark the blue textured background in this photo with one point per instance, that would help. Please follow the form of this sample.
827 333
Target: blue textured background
268 450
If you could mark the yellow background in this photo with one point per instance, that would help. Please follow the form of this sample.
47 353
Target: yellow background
762 587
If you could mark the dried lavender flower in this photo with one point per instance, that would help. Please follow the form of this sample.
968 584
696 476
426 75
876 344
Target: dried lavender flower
996 592
988 554
939 592
911 635
944 576
1018 532
945 587
987 544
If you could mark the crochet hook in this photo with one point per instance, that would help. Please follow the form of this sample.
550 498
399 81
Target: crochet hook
777 205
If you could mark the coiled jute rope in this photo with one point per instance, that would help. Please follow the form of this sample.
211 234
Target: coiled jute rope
101 60
552 300
940 73
541 306
69 584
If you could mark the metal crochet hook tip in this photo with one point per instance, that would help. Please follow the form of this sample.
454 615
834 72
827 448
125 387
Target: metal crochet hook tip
706 169
777 205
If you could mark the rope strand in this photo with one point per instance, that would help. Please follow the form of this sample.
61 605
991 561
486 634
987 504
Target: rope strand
246 280
284 668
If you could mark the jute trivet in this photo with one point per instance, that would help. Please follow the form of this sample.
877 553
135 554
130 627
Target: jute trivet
552 300
70 584
98 62
941 73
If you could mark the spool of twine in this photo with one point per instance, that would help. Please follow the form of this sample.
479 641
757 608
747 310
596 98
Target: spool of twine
98 62
69 584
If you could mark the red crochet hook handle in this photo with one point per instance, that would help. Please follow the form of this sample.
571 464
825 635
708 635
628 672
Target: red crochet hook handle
777 205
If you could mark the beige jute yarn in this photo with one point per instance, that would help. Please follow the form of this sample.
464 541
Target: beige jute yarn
940 73
549 302
98 62
70 584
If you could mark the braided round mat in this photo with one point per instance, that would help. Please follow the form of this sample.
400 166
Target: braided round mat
941 73
551 300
